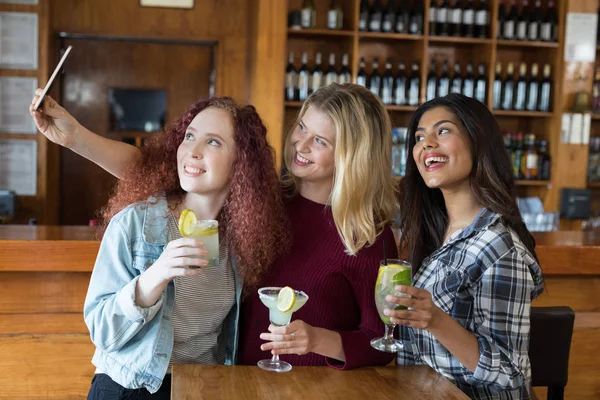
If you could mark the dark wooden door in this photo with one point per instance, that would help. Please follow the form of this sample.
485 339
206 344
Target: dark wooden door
94 67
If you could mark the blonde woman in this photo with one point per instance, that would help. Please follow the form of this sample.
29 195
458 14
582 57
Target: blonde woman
340 200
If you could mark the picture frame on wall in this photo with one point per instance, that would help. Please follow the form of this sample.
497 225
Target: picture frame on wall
184 4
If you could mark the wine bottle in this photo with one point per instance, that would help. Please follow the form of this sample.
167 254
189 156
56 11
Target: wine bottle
331 74
521 92
400 86
444 81
335 15
468 20
481 20
454 19
415 26
388 19
291 80
303 78
431 82
361 77
480 83
376 16
433 11
375 79
414 85
387 83
317 75
456 82
469 82
508 88
442 19
498 85
363 20
545 90
533 88
535 22
307 14
344 76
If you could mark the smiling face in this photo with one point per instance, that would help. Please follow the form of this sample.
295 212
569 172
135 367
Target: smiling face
443 150
205 156
313 146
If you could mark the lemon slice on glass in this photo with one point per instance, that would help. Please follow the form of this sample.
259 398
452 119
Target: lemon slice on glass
187 220
286 299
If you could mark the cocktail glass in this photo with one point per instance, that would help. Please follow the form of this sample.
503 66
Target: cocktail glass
207 231
392 273
268 296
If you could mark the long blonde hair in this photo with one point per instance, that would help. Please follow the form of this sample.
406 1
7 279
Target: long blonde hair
363 195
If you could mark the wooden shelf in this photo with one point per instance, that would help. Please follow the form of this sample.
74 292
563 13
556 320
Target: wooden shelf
507 113
458 39
595 116
526 43
293 104
401 108
532 183
131 134
318 32
393 36
593 185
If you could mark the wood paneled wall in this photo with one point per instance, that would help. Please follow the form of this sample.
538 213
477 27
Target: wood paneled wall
225 21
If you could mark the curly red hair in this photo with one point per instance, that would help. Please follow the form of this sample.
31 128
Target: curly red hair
253 214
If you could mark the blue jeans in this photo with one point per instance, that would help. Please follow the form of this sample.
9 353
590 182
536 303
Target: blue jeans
104 388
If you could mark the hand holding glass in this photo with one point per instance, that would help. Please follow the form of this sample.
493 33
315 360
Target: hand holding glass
392 273
268 296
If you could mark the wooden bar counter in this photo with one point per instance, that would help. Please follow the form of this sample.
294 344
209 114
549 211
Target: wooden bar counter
45 272
207 382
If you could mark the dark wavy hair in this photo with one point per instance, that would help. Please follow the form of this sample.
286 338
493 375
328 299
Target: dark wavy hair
253 215
423 215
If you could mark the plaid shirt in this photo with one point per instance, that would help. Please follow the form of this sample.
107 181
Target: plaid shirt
485 279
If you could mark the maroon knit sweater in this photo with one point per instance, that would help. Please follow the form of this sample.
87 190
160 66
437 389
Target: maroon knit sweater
340 289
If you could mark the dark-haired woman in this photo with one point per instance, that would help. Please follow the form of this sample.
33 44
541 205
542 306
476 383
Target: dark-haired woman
476 271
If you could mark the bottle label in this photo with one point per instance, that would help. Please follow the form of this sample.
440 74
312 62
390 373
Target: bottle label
400 25
432 14
414 27
522 30
343 78
399 95
546 31
387 25
509 30
468 17
413 94
531 161
303 84
468 88
306 19
291 80
330 78
332 19
362 23
386 95
316 82
361 80
442 15
375 24
455 16
533 31
481 17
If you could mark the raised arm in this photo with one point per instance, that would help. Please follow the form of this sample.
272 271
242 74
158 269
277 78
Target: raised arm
62 128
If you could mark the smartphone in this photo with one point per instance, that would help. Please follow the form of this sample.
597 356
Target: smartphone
52 78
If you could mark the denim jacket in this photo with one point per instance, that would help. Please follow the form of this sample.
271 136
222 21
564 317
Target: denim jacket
134 344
